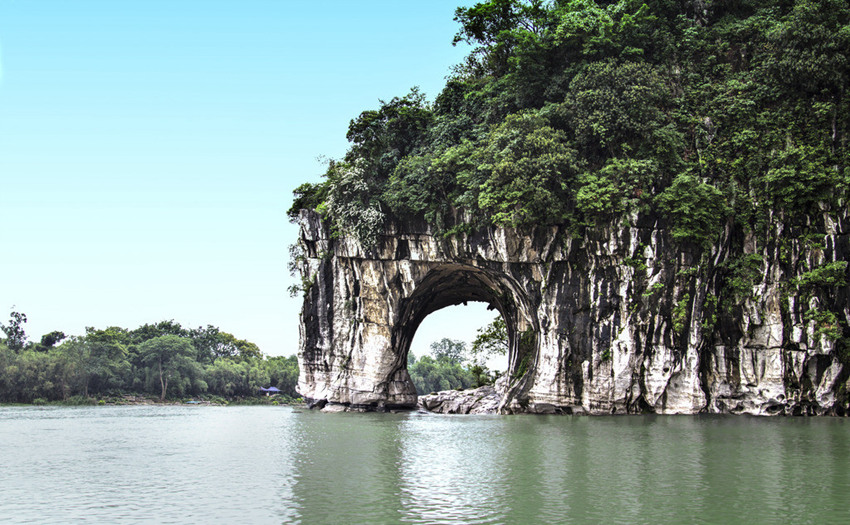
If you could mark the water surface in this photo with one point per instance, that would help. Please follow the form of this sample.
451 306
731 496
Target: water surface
169 464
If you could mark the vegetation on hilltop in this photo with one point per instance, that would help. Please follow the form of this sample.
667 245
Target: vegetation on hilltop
573 112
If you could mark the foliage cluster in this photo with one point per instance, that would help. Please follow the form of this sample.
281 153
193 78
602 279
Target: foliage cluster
577 111
831 274
826 277
492 340
448 368
163 359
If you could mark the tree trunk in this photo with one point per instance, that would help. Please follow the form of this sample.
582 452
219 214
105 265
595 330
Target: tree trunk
162 381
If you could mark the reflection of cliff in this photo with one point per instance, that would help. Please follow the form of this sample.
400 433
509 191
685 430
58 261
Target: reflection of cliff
623 320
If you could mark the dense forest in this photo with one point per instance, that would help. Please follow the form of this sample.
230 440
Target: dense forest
162 360
574 112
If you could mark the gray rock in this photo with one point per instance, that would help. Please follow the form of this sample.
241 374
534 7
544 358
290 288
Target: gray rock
618 322
482 400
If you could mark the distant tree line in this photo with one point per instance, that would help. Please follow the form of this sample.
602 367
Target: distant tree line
167 360
452 365
162 359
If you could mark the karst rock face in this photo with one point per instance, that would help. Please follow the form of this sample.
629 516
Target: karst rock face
620 320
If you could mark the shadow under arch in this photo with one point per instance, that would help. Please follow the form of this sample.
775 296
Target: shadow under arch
452 284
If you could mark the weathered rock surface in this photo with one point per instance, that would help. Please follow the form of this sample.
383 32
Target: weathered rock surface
623 320
482 400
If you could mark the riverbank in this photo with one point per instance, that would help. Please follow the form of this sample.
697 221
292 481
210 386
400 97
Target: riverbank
139 399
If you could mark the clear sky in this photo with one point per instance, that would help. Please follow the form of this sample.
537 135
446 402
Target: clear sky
149 148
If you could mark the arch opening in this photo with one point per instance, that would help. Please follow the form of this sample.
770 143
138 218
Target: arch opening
441 353
455 284
459 323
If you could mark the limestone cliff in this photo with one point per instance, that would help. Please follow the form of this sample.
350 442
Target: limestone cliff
619 320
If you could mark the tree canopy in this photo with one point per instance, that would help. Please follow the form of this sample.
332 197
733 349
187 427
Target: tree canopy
491 340
169 355
572 112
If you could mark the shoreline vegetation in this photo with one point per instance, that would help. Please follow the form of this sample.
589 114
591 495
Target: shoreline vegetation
162 363
149 400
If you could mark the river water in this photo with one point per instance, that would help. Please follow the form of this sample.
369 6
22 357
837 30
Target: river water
171 464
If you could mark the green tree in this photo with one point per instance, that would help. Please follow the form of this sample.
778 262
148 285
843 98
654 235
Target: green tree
491 340
168 355
353 208
283 373
211 344
449 350
229 377
619 109
530 171
445 370
247 350
432 375
381 138
50 340
102 358
696 209
16 337
33 371
480 375
496 26
799 178
66 372
620 185
150 331
308 196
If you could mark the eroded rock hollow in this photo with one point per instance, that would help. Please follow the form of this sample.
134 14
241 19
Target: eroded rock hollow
620 320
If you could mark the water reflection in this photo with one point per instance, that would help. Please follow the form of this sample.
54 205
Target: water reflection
276 465
346 468
146 464
453 470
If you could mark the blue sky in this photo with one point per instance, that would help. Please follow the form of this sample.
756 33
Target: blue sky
149 148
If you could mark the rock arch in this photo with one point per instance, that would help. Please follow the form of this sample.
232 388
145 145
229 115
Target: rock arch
362 309
616 321
451 284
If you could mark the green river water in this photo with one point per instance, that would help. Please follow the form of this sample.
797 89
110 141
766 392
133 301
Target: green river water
143 464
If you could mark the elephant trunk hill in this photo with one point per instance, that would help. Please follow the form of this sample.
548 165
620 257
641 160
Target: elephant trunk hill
653 195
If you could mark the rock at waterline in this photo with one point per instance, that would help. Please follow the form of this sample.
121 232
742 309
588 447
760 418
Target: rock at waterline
482 400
